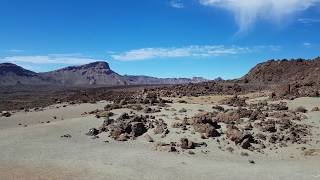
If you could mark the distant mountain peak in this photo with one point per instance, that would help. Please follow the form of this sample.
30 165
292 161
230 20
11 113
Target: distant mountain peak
12 74
6 68
7 64
95 73
94 65
98 64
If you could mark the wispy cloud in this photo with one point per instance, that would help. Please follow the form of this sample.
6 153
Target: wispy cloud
176 4
247 12
189 51
308 20
15 50
68 59
306 44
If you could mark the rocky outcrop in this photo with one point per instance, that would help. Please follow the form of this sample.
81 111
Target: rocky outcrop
288 78
285 71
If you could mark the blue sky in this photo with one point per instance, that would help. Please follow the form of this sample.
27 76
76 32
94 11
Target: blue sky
162 38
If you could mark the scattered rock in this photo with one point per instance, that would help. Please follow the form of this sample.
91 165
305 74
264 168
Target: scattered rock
282 106
151 110
173 149
92 132
206 129
105 114
122 137
66 136
205 124
186 144
301 109
233 133
177 124
269 128
6 114
182 101
160 128
230 149
255 115
235 101
113 106
245 144
244 154
137 129
191 152
251 162
115 131
131 126
230 117
218 108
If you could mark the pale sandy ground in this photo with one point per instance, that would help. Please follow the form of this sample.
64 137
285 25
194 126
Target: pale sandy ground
38 151
51 113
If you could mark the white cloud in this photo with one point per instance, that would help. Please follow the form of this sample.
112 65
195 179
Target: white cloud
260 48
189 51
308 21
68 59
176 4
247 12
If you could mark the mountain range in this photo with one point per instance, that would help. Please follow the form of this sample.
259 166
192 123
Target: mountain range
271 72
93 74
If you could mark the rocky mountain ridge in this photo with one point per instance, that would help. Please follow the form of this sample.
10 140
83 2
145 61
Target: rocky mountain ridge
11 74
96 73
285 71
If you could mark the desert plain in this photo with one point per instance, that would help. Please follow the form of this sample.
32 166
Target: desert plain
54 142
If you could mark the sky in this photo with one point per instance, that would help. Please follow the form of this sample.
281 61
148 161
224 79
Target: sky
161 38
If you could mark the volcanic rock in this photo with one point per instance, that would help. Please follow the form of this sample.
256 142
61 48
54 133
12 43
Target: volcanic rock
186 144
92 132
137 129
6 114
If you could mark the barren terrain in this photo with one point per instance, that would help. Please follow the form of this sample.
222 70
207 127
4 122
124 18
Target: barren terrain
33 146
255 127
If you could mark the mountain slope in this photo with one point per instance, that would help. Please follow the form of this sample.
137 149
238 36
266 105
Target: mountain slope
285 71
97 73
11 74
